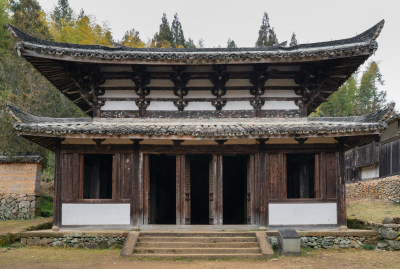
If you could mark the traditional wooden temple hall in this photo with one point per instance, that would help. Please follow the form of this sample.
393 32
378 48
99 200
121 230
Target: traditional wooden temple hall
209 136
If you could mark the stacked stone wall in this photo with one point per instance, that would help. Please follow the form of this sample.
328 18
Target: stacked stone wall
18 206
386 189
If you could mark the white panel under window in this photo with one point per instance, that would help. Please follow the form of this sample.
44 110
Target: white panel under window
119 94
370 172
279 93
95 214
199 106
302 214
119 105
279 105
237 105
159 105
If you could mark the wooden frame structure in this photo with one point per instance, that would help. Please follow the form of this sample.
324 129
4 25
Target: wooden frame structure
251 102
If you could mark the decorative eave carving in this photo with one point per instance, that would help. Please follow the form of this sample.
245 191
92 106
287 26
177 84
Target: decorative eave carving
219 79
141 80
258 79
88 79
180 80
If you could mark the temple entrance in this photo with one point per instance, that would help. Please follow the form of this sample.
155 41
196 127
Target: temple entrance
199 177
234 189
162 202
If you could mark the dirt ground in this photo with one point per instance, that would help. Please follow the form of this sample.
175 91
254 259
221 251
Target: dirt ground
28 258
17 226
372 210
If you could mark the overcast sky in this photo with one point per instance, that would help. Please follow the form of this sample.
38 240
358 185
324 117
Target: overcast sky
217 20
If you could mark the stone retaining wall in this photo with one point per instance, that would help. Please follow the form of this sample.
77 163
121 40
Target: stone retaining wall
386 189
92 240
331 241
18 206
388 235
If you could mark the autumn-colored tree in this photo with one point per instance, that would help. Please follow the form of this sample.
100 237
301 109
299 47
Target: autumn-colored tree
163 38
132 39
30 18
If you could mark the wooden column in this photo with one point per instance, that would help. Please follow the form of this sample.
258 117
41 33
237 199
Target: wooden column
57 187
182 190
134 186
216 204
341 186
251 190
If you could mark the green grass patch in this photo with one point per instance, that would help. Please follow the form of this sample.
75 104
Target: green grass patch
46 206
368 247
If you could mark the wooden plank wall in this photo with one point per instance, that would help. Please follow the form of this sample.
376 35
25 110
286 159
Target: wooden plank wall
389 158
70 176
123 167
327 169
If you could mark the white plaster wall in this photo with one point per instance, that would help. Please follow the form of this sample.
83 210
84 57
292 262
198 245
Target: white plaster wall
237 93
160 83
280 82
199 94
161 94
238 83
162 106
279 93
279 105
119 105
118 83
199 83
119 94
369 172
303 214
237 105
95 214
199 106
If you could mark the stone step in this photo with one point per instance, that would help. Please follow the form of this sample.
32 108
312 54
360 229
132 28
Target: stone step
203 256
197 245
197 234
141 250
196 239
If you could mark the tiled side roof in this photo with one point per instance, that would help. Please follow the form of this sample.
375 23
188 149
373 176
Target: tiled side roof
21 159
213 128
362 43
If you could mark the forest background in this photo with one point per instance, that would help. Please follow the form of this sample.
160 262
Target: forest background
22 86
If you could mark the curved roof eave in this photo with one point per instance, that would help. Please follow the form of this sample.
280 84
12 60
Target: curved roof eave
362 44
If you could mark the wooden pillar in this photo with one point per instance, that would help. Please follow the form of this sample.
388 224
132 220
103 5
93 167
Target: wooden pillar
216 204
263 188
250 190
57 187
134 190
341 186
182 190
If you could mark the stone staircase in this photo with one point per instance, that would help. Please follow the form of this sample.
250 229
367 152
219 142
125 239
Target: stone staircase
197 245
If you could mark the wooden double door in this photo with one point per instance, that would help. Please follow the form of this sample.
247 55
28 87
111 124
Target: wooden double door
198 189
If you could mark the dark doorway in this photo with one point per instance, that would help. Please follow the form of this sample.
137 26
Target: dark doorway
97 180
199 188
234 189
300 175
162 189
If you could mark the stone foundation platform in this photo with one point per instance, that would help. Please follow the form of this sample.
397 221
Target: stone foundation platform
18 206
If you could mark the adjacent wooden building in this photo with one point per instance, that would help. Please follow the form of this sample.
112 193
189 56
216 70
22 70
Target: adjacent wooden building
199 136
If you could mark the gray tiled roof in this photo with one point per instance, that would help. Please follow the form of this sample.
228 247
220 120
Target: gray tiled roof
213 128
363 43
21 159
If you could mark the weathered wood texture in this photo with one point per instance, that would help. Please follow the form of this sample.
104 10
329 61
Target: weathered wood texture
389 160
251 188
182 190
328 174
57 187
216 205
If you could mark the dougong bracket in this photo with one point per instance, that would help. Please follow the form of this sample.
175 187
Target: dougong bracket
141 80
180 80
258 79
219 79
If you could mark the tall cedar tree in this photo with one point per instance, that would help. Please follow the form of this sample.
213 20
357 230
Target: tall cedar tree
356 98
4 36
62 13
266 34
29 17
164 37
231 44
293 40
177 33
